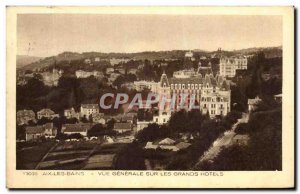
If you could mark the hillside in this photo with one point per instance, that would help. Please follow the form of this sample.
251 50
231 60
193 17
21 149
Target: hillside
270 52
23 60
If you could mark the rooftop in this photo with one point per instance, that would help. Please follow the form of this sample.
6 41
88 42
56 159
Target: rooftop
45 111
90 106
122 126
77 127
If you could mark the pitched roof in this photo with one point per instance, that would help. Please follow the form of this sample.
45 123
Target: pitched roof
164 80
191 80
122 126
25 112
77 127
34 129
45 111
90 106
94 115
183 145
166 141
243 137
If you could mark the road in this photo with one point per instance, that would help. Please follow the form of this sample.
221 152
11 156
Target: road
224 140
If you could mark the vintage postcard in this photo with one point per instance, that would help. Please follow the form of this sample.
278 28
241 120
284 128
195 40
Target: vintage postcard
150 97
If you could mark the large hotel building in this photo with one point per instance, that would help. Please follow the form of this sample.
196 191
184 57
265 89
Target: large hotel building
211 93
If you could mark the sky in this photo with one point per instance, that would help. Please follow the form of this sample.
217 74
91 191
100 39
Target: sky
45 35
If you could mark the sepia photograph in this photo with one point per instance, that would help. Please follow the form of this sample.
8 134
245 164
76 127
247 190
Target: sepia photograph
174 92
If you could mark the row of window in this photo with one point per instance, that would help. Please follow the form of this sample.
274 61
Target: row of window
210 99
214 106
189 86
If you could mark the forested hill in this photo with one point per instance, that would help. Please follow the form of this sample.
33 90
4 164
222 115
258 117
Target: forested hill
270 52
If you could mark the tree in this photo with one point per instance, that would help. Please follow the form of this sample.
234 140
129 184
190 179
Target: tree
98 130
130 157
43 121
178 121
153 132
110 124
75 136
84 119
20 132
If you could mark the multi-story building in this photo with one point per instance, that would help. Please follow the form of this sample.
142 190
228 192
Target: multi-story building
98 118
87 61
77 128
115 61
24 116
210 93
85 74
51 78
184 73
46 113
189 55
71 113
141 85
253 103
229 65
88 109
36 132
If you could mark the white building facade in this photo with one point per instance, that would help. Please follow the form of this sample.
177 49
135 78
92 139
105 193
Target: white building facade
211 94
229 65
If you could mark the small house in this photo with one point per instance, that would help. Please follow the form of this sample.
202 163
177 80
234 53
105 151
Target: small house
122 127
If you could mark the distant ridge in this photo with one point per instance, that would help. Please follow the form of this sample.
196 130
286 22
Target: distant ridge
37 62
23 60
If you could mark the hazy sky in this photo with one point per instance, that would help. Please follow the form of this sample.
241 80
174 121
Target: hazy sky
49 34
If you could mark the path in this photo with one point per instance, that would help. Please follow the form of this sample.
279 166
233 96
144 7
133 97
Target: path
45 156
223 141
